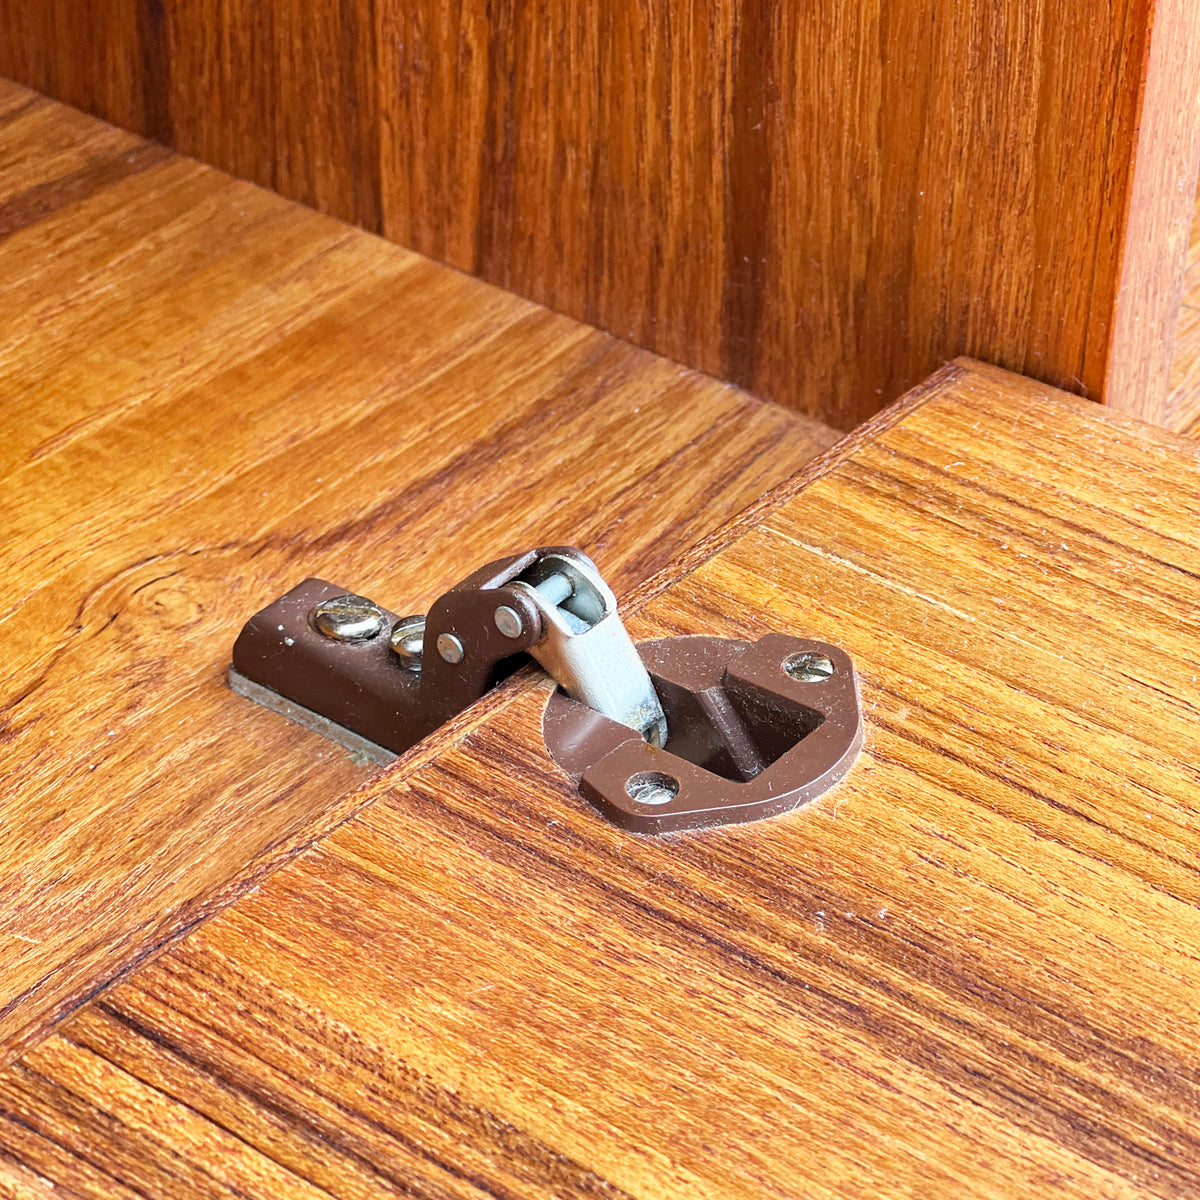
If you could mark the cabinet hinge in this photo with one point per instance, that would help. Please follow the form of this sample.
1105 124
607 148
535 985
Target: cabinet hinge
687 732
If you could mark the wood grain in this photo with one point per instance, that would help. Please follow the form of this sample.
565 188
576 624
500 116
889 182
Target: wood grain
208 394
822 202
1183 400
970 970
1160 210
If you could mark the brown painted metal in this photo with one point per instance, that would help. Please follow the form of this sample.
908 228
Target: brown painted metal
362 686
747 741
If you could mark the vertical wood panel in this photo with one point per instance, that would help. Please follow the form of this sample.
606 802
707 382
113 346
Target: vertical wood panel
820 201
88 55
224 93
1152 278
1183 404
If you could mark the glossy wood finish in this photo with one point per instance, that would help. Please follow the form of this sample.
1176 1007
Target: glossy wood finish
208 394
1183 401
1161 200
971 970
819 201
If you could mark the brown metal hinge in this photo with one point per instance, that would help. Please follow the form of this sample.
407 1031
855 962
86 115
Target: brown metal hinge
675 734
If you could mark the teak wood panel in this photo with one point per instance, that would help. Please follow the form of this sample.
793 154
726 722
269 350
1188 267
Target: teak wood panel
971 970
819 201
1162 187
209 393
1183 401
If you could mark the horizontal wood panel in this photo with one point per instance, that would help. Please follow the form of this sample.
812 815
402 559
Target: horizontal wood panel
820 202
208 394
969 970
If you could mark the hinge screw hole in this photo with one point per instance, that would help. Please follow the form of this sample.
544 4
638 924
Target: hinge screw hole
808 667
652 787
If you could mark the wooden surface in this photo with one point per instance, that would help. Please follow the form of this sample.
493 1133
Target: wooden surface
819 201
1159 217
1183 401
208 394
971 970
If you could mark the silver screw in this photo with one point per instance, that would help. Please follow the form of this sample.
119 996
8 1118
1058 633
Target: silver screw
348 618
509 622
450 648
651 787
408 641
809 667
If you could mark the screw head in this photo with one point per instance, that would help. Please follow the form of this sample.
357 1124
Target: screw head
809 667
408 641
509 622
348 618
652 787
450 648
